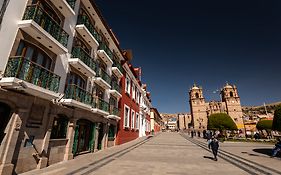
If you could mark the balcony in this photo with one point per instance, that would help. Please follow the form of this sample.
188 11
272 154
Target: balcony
83 62
21 74
101 107
87 30
117 69
103 79
115 90
78 97
43 28
114 113
71 3
105 54
65 7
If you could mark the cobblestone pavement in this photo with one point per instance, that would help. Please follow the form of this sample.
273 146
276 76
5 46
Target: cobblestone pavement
166 154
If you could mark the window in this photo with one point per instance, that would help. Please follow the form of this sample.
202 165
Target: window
76 79
128 85
137 121
78 43
101 65
33 53
99 91
137 96
59 128
196 95
126 117
48 9
231 94
133 91
133 119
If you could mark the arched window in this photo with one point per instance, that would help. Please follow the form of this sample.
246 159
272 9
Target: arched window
196 95
81 44
59 128
75 79
83 12
34 54
48 9
99 91
231 94
101 64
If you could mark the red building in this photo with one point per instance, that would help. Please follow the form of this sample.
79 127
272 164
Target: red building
128 128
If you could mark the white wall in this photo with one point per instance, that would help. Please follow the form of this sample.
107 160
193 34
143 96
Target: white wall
9 28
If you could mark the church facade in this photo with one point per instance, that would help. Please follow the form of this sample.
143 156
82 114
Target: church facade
201 110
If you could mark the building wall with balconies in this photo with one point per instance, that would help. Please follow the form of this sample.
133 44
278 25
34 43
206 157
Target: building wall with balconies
44 112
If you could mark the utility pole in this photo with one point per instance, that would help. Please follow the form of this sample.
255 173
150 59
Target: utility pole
265 109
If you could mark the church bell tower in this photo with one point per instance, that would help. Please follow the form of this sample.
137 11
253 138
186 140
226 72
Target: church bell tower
233 106
198 108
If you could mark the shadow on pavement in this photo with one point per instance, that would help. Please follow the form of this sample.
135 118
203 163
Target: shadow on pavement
208 157
265 151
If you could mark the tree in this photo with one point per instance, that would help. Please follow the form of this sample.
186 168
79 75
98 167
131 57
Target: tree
276 125
221 121
264 125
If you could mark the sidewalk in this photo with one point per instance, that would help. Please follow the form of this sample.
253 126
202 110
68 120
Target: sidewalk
83 161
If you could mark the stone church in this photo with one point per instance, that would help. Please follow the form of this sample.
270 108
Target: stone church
201 110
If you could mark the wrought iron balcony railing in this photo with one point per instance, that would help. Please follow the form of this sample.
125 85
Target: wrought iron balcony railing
104 47
101 73
118 65
78 52
42 18
102 105
114 111
74 92
71 3
83 19
115 86
24 69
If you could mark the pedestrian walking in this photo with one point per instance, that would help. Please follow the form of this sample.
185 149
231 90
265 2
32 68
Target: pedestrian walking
204 134
214 145
198 133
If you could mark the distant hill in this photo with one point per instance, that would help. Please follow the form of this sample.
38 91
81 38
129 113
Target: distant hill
261 109
167 116
258 112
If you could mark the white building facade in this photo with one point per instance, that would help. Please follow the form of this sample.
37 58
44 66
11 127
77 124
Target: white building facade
60 71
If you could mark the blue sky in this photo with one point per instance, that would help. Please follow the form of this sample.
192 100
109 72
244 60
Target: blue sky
202 41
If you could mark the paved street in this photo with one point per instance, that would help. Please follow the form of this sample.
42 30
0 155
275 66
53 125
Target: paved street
167 153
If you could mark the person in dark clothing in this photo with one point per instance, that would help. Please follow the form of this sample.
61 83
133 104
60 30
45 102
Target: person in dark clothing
204 134
276 149
192 134
214 145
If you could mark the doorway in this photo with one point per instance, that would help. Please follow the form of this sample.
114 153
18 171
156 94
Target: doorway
100 138
84 137
5 112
